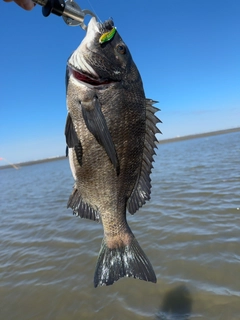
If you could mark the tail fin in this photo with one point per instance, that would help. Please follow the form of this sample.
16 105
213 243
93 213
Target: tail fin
129 261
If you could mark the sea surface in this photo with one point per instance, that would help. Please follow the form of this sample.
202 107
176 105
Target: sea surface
190 231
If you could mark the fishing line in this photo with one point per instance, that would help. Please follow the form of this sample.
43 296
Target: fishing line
11 164
94 11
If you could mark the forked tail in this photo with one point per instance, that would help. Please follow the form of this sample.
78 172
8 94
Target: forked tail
127 261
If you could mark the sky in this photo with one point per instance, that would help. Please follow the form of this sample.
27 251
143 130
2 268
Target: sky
187 52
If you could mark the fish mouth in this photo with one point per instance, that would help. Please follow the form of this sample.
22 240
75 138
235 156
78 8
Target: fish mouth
87 78
78 64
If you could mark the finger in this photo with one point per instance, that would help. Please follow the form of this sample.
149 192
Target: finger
25 4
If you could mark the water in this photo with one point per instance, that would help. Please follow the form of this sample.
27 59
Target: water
190 231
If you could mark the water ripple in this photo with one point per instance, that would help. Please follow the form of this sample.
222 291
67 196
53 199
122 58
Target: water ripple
190 231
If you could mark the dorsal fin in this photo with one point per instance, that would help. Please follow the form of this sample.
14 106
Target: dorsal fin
142 189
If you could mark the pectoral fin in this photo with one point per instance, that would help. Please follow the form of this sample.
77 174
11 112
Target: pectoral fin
96 124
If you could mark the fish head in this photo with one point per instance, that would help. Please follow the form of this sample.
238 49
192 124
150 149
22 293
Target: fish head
103 57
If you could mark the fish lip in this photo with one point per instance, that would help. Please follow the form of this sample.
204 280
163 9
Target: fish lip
94 25
100 27
87 78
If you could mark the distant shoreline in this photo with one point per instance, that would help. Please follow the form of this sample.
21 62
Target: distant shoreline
188 137
30 163
199 135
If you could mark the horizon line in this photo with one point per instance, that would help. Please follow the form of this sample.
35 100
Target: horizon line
168 140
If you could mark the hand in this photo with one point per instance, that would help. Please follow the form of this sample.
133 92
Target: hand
25 4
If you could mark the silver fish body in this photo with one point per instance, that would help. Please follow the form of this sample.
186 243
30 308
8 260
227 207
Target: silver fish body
110 134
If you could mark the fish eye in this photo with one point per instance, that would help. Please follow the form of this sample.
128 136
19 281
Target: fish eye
121 49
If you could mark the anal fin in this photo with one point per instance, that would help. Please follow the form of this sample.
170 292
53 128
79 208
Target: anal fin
80 208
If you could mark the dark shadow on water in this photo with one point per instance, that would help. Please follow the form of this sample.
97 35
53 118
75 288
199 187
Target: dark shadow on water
176 304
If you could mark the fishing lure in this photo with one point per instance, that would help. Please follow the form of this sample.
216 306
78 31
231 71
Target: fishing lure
107 36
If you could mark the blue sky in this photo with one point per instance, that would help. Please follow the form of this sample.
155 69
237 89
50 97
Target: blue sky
188 54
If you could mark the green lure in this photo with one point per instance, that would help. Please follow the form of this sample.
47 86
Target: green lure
107 36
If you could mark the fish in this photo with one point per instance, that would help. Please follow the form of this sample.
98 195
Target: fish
111 140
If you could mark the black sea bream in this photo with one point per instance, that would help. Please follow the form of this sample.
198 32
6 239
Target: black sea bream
110 134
